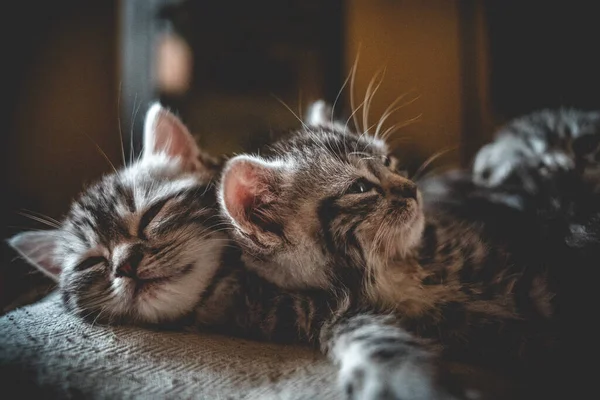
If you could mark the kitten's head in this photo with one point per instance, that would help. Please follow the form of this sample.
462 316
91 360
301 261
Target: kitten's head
539 144
140 244
322 206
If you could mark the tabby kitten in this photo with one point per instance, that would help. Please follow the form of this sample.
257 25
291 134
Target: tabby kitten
326 210
538 145
142 244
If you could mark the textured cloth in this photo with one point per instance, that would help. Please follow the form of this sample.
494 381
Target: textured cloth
48 353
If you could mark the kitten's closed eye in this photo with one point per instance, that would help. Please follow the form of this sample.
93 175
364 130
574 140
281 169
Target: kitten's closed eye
90 262
360 186
148 216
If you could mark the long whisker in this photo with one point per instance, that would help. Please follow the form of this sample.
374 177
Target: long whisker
352 79
131 121
139 157
101 152
119 123
343 86
300 102
42 215
386 134
290 110
391 109
430 160
42 220
370 94
98 316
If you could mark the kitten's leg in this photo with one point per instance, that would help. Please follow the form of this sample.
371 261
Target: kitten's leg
380 360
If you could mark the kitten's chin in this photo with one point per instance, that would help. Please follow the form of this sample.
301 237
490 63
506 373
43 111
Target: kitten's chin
406 229
158 300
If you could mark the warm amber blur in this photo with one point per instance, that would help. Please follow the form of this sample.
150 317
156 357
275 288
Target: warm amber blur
78 71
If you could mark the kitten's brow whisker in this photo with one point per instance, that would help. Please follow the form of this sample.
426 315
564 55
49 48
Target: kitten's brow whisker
119 123
352 79
39 219
293 113
392 108
398 126
353 116
47 217
342 88
300 102
134 112
102 153
370 94
388 112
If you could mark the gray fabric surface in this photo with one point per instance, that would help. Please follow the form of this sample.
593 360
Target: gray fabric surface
45 352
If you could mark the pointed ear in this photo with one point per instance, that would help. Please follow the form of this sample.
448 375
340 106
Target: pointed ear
164 133
249 193
321 114
38 249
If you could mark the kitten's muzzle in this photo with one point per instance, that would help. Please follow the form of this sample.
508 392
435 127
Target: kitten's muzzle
403 188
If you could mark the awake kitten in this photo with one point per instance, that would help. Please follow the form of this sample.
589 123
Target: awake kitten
140 245
326 210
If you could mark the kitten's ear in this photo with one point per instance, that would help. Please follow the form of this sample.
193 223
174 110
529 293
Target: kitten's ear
248 192
321 114
165 133
38 249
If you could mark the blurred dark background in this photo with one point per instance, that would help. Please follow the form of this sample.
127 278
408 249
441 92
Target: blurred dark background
77 73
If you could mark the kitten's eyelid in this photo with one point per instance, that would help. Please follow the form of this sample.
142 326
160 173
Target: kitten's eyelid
150 214
90 262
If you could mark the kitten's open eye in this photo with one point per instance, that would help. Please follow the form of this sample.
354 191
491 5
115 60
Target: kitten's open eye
149 216
90 262
387 161
360 186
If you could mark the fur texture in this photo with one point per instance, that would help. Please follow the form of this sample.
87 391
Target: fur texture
461 263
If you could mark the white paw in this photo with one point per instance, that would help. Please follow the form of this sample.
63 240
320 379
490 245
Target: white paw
392 380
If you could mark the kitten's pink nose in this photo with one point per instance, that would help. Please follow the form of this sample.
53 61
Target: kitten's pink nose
129 266
125 270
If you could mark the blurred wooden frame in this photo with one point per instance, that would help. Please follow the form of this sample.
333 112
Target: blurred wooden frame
140 27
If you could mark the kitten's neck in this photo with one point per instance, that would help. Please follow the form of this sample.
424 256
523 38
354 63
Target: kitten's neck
425 277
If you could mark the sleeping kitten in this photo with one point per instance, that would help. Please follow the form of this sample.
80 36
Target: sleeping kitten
538 145
142 244
326 210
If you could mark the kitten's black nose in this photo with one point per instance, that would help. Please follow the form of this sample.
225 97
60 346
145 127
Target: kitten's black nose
405 189
128 268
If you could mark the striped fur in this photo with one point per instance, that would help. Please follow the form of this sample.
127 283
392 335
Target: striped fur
464 265
335 249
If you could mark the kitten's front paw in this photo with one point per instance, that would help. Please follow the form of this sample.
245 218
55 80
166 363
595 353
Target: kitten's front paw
390 381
